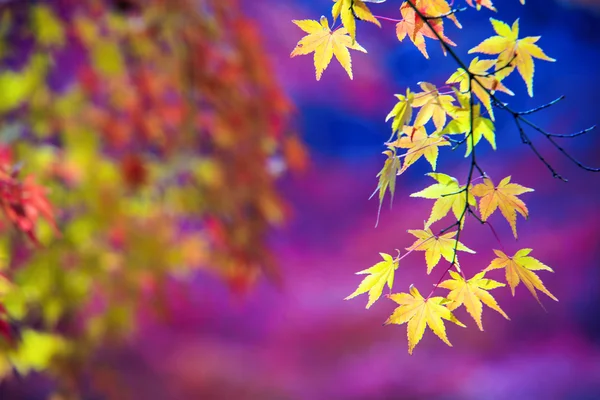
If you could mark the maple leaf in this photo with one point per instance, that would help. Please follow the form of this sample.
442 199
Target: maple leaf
387 178
402 111
419 144
519 268
435 8
480 3
449 195
436 247
416 29
325 44
379 274
503 196
433 106
349 10
483 82
465 123
419 312
512 50
24 203
472 293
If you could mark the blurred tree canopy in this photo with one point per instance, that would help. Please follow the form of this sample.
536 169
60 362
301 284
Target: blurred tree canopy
139 141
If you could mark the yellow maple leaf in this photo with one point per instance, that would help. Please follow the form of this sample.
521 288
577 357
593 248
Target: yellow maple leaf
449 195
435 8
387 178
436 247
472 293
519 268
465 123
420 312
350 10
433 106
417 142
483 83
512 50
402 111
379 274
325 43
503 196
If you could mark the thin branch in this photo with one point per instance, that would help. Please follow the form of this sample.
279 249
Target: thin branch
460 221
449 13
446 229
494 72
559 147
486 222
525 139
534 110
422 242
572 135
518 116
454 193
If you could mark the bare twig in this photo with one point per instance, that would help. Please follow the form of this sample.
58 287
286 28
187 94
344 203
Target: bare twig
517 115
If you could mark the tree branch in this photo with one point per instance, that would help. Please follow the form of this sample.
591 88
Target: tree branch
518 116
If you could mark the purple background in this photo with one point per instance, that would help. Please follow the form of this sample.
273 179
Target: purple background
302 341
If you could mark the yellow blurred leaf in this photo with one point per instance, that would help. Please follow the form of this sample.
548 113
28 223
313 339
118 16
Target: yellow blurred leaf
107 58
48 28
16 87
35 351
53 309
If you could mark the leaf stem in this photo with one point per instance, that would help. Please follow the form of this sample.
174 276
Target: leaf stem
388 19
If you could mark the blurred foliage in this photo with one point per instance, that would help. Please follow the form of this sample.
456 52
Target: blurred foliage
156 133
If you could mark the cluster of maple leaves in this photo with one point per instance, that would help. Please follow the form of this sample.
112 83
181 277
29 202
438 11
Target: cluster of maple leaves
124 117
459 112
22 201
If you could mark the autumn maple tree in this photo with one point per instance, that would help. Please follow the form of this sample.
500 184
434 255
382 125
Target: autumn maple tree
123 170
434 119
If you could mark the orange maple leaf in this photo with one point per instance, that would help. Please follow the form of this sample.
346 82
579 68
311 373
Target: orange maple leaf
416 29
480 3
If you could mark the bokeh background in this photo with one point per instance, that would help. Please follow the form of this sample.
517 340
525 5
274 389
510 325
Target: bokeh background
300 340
